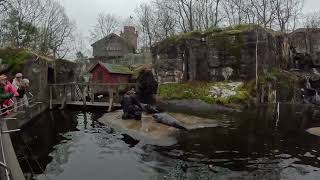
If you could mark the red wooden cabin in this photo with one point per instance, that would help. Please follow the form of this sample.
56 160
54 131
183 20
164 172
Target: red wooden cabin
110 73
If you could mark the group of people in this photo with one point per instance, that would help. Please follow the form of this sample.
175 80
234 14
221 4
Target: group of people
13 94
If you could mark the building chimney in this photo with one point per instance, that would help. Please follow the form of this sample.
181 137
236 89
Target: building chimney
131 35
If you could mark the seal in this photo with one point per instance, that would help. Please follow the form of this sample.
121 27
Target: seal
166 119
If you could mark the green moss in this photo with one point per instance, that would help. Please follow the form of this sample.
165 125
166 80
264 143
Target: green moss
212 31
201 91
14 57
279 77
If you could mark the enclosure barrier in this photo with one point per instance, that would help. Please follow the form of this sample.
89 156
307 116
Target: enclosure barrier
5 172
78 93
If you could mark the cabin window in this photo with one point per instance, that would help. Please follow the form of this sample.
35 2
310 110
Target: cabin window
100 76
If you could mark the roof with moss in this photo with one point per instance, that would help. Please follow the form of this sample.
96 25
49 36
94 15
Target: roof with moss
113 68
15 58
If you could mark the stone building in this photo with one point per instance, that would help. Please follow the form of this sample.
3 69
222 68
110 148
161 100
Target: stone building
131 35
40 70
114 46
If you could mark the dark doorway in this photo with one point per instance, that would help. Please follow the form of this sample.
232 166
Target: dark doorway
51 79
202 71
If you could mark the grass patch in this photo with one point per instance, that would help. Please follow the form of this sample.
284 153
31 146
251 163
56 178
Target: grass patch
201 91
281 78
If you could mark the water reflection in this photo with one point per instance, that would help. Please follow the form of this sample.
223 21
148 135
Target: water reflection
249 145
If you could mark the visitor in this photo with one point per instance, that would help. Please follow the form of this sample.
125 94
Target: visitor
5 97
23 92
17 81
132 108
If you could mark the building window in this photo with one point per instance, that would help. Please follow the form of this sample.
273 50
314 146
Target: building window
100 76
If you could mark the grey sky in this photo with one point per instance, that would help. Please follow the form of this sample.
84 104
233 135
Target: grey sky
84 12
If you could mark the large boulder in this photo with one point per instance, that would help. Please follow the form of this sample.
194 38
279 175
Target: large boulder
147 86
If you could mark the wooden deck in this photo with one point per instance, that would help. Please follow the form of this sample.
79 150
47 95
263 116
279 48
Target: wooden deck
75 94
89 104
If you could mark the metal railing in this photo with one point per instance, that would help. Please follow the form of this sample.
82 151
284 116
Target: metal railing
15 106
3 111
4 163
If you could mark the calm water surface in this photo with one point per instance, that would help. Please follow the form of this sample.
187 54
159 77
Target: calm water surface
255 144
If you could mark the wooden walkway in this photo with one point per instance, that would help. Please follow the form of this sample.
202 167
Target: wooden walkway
76 94
92 104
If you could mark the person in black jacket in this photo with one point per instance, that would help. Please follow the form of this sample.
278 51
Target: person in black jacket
132 108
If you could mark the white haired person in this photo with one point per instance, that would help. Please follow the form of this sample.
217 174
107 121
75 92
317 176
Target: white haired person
23 92
17 81
17 84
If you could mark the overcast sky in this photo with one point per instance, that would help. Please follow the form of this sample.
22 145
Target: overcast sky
84 12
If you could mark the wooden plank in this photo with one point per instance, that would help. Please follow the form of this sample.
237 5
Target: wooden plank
110 99
84 98
93 84
72 92
64 98
97 104
50 106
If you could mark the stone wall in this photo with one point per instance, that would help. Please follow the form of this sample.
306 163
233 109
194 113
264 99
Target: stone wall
305 48
39 70
228 54
67 71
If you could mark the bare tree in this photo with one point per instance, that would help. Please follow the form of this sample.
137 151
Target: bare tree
4 5
264 11
146 20
41 25
312 20
165 21
206 14
287 12
20 21
106 24
237 11
56 31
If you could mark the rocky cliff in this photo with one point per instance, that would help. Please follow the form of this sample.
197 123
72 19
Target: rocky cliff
219 54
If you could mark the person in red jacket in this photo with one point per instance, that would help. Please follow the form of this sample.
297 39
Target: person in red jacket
5 94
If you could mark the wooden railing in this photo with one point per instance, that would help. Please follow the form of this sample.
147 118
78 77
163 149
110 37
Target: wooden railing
77 93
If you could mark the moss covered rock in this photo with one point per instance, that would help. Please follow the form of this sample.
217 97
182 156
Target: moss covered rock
241 93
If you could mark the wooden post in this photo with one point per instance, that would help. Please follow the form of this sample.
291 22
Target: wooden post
110 98
72 93
64 98
50 102
117 93
257 65
91 94
84 97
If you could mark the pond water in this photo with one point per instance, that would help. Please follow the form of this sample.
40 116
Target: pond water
255 144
